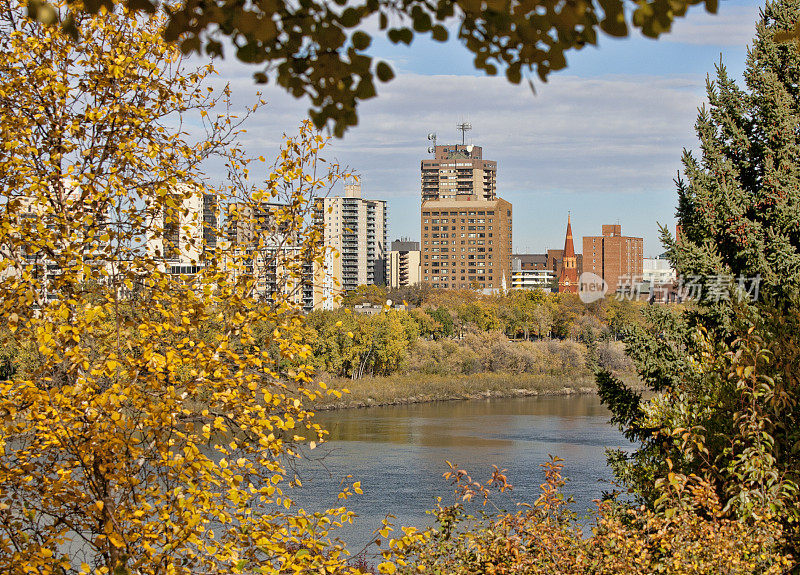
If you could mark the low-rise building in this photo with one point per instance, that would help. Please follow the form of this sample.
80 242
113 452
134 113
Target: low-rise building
530 271
403 263
658 270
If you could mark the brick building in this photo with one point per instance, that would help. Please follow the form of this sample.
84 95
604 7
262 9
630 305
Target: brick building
466 244
555 260
614 257
465 228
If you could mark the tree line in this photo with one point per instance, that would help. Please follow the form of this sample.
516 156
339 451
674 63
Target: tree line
463 332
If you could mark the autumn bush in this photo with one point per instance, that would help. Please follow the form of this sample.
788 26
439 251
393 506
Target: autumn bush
493 352
688 535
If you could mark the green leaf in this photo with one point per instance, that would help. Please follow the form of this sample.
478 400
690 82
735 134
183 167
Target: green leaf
190 45
365 89
439 33
361 40
384 72
397 35
250 53
350 17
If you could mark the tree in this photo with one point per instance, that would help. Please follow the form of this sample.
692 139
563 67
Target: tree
320 50
725 371
148 432
445 327
371 294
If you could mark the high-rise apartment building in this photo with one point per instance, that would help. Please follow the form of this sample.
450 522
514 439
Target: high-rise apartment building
466 229
466 244
356 228
46 263
278 262
403 264
458 172
614 257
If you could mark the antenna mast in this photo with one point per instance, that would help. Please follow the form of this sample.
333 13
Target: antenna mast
464 127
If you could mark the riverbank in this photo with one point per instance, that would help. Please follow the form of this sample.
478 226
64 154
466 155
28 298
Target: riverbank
423 388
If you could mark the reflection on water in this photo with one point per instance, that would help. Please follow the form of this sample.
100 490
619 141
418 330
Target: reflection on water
399 452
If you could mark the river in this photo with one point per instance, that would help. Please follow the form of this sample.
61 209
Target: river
399 452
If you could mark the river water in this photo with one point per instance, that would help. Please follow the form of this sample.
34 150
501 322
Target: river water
399 452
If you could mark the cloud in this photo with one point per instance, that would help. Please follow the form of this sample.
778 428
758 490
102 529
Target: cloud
605 147
609 134
731 26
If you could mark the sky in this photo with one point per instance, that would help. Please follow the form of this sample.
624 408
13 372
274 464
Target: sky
601 140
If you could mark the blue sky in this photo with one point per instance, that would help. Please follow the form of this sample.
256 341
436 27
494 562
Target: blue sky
601 139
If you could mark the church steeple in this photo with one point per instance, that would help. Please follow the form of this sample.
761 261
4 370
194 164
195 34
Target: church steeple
568 278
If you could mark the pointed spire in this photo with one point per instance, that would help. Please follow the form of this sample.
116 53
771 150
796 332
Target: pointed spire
568 277
569 248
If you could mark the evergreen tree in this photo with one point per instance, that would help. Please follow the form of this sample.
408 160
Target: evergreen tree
725 370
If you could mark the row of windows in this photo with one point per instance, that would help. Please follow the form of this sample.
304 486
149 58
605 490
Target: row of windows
444 228
467 263
470 257
480 235
471 278
445 257
469 220
462 285
463 278
453 242
474 213
470 242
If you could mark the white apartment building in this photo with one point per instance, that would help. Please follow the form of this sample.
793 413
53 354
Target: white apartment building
658 271
356 228
281 266
185 231
530 271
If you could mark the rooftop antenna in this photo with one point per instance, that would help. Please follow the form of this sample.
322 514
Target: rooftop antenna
432 138
464 127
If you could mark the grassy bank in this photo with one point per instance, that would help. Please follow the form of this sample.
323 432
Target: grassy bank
419 388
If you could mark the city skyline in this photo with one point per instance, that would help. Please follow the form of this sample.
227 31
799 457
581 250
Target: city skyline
602 139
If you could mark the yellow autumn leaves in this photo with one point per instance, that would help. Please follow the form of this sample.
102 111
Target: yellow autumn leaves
146 431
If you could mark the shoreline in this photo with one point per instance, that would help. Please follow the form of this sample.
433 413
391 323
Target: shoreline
394 390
